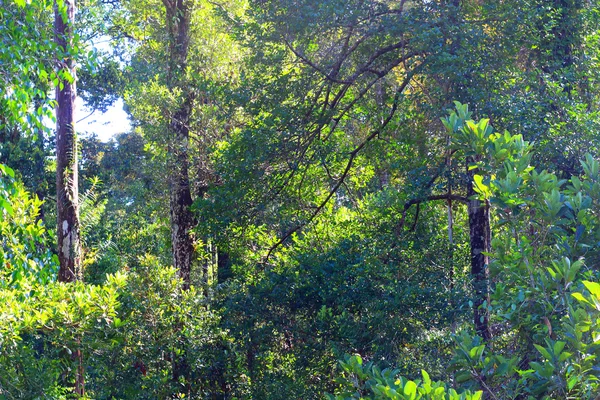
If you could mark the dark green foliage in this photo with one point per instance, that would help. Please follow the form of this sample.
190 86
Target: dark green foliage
159 324
330 203
103 85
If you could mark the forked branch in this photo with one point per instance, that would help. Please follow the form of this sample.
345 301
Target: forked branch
353 154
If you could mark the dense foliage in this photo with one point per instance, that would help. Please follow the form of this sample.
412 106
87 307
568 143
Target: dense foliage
371 199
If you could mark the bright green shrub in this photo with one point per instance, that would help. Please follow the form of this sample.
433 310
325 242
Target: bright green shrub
25 257
43 323
367 381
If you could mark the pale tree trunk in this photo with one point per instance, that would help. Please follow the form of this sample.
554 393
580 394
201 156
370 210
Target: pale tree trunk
480 240
449 209
67 194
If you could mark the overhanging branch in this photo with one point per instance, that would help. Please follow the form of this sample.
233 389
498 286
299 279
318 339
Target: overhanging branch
349 164
410 203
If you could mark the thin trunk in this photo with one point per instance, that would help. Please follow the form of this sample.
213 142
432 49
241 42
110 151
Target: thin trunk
449 210
480 240
449 202
38 182
40 165
209 260
80 374
450 222
182 219
67 194
178 136
450 242
209 266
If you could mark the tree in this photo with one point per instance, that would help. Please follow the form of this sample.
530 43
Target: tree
178 14
182 69
339 91
67 183
67 190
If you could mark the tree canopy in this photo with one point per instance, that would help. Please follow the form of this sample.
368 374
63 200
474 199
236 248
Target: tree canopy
364 199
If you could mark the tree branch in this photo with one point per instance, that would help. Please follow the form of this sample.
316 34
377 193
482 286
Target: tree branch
340 181
417 202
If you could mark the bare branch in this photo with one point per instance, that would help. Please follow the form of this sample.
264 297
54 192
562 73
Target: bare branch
418 201
347 169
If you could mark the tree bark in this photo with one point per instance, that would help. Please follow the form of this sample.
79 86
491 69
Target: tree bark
182 219
67 193
480 240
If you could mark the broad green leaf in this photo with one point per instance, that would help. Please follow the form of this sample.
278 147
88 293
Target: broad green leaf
410 389
593 287
426 378
543 351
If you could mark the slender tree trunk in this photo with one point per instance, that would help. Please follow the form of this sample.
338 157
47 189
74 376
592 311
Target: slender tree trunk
40 164
67 193
480 240
178 135
80 374
69 243
182 219
449 209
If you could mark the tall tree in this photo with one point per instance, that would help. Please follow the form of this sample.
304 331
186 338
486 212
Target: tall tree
182 219
177 107
69 241
480 241
67 193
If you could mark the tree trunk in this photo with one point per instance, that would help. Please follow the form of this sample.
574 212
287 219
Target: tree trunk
480 240
178 135
40 167
182 219
69 242
67 193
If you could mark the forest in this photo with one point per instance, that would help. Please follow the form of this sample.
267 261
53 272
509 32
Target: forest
335 199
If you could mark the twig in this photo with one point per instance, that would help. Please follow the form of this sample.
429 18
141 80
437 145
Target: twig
86 117
418 201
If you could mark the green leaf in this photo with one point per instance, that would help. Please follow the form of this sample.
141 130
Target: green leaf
564 356
481 187
7 170
410 389
543 351
558 347
463 376
7 206
593 287
426 378
572 382
579 297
